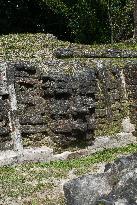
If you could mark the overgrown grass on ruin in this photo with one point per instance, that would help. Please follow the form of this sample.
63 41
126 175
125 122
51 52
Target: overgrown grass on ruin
38 183
38 47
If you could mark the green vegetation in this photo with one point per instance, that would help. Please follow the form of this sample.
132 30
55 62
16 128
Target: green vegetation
27 47
82 21
39 47
40 183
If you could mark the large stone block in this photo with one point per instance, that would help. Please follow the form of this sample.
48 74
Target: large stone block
71 103
117 185
87 189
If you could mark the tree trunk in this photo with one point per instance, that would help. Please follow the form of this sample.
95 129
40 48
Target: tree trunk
135 19
110 21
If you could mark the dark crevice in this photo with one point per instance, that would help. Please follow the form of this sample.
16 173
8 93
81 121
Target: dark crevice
25 68
79 116
91 110
64 96
5 97
26 85
90 95
59 116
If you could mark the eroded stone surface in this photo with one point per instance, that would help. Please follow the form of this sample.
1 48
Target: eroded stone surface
131 84
117 185
10 157
4 107
69 102
106 53
85 190
124 181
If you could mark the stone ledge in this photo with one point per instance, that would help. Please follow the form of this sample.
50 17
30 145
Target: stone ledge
104 142
103 53
43 154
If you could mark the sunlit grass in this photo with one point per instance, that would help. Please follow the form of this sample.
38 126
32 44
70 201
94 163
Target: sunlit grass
27 180
37 47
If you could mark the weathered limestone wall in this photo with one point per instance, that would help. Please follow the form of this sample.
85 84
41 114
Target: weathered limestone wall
63 102
131 84
110 97
55 104
31 105
69 90
5 137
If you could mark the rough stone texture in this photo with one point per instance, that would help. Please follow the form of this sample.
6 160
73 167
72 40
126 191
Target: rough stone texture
10 157
70 98
107 142
131 84
109 98
100 143
45 154
31 106
117 185
124 180
85 190
58 103
42 154
5 137
128 127
106 53
70 102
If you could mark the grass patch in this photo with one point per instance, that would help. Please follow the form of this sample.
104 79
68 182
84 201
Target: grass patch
38 47
28 47
31 181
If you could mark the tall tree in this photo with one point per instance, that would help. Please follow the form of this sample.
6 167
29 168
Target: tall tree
109 6
135 19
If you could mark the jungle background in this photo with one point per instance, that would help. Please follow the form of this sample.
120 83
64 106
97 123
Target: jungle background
80 21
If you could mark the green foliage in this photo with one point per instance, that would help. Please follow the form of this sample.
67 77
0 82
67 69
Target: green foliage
122 19
96 20
86 25
84 21
58 6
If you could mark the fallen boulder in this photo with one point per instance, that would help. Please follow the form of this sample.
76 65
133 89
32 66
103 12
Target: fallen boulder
116 186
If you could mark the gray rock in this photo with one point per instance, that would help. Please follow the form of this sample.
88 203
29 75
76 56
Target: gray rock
116 186
43 154
127 126
124 180
9 157
108 53
87 189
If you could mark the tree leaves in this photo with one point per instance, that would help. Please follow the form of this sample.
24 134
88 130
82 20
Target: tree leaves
84 21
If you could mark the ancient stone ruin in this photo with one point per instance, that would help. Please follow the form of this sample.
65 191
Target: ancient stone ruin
64 102
54 104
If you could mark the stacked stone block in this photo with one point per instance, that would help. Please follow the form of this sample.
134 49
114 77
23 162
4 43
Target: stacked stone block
109 99
31 106
66 103
70 98
5 138
56 104
131 84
